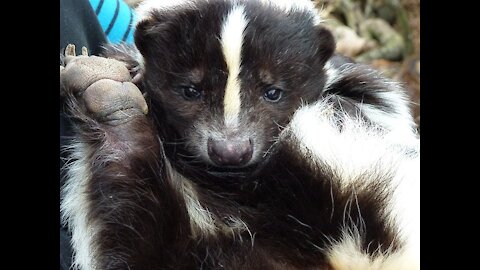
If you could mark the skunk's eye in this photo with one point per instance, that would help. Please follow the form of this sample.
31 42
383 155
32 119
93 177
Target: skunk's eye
190 93
273 94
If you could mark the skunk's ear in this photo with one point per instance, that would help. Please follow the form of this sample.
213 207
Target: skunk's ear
326 44
151 30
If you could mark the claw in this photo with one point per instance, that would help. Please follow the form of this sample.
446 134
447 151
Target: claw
84 51
70 50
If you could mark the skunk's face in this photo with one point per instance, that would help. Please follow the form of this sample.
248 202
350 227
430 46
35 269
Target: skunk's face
229 78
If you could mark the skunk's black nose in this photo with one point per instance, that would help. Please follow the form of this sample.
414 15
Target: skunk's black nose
230 152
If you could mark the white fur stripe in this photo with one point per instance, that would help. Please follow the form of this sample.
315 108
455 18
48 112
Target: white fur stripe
202 221
405 206
232 39
75 208
346 254
356 149
399 122
332 74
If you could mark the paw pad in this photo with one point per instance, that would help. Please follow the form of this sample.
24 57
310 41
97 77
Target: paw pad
104 85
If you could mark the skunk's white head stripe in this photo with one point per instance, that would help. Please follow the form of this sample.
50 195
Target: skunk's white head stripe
231 39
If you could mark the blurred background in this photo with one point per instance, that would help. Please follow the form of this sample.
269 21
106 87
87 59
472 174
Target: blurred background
381 33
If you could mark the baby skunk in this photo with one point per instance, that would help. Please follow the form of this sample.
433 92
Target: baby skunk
261 150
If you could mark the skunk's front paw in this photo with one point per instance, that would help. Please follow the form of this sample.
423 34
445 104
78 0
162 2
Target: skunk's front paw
102 86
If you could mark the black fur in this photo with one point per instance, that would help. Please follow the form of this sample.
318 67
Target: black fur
359 84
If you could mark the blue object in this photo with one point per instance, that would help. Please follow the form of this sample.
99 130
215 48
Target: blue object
116 19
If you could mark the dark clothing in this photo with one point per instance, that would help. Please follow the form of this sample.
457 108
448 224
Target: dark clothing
79 26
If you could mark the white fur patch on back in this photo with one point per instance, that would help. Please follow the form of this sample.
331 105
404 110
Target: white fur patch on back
231 39
353 149
359 149
404 207
346 254
400 121
75 208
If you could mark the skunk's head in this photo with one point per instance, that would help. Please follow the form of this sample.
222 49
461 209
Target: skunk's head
228 75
